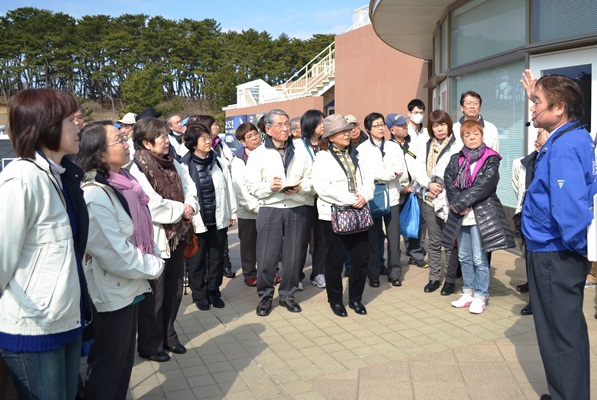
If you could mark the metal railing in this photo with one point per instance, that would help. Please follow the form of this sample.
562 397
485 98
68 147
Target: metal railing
312 75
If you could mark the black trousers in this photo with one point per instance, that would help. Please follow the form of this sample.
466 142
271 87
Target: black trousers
112 354
157 313
556 286
206 267
358 248
314 232
374 269
247 235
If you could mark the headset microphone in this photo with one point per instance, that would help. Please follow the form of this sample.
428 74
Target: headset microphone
527 124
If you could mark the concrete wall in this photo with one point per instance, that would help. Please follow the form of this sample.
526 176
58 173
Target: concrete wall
294 108
373 77
370 77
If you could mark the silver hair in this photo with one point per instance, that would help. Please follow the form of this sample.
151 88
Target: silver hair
294 123
269 117
168 119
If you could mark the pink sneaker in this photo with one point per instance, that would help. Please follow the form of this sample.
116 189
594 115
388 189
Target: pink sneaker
477 306
465 300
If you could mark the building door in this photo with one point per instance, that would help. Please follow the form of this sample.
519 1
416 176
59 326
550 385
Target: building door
579 64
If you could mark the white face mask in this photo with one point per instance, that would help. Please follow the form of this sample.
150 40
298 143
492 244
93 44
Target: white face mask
416 118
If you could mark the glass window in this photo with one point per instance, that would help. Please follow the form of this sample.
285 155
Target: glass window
556 19
483 28
584 76
504 103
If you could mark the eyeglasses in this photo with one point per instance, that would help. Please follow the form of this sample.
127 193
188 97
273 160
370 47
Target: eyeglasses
250 136
471 103
377 126
204 139
122 139
280 125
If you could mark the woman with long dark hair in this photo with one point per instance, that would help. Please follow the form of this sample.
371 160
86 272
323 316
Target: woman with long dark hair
44 302
120 256
312 130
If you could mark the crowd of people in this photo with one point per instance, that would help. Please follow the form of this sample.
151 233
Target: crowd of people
99 248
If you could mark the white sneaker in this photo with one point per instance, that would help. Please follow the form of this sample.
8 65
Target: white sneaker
477 306
300 287
319 281
465 300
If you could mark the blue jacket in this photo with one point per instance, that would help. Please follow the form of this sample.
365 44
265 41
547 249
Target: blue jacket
557 206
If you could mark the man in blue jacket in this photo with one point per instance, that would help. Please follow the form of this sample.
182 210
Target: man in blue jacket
555 217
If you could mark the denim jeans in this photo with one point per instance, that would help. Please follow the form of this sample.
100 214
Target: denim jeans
51 375
473 260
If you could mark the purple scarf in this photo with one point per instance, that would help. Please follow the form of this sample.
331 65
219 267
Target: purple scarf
465 178
137 200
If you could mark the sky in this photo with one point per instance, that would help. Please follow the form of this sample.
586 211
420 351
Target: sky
296 18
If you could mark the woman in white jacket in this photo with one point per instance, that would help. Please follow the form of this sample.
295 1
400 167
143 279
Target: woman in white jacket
248 205
172 204
44 301
338 179
217 205
120 256
384 161
441 146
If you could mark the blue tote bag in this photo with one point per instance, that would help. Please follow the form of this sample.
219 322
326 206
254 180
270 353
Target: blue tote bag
410 218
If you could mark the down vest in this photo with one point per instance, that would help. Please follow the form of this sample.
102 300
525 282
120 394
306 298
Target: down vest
489 212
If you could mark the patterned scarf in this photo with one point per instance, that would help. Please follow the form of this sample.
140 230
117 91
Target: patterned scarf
435 149
164 179
137 201
464 178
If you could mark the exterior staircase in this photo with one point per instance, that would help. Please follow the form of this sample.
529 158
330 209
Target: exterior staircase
314 79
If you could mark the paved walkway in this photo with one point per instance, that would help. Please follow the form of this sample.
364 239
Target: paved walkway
411 345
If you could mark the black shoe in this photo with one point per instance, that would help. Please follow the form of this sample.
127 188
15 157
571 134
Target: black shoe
339 310
264 307
545 397
291 305
432 286
526 310
157 357
358 307
395 281
524 288
228 273
448 289
202 304
216 301
384 271
177 349
374 282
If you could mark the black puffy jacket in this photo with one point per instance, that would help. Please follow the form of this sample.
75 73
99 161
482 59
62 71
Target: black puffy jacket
481 196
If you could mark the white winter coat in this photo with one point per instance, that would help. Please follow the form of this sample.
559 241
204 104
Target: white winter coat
248 205
264 164
384 169
165 211
331 184
39 282
116 270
